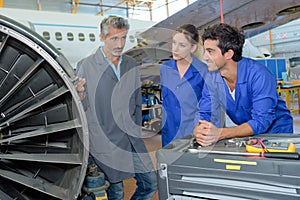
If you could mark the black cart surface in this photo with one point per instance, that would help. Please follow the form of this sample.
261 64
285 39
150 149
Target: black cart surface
227 171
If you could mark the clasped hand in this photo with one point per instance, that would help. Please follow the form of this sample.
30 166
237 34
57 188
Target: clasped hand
206 133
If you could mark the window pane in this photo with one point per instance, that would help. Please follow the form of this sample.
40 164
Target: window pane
46 35
58 36
92 37
70 36
81 36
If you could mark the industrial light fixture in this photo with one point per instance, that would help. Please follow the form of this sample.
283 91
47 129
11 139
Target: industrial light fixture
290 10
252 25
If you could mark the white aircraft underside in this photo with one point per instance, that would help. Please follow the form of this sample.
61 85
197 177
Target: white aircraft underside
252 16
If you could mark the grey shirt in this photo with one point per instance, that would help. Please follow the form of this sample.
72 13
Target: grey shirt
113 109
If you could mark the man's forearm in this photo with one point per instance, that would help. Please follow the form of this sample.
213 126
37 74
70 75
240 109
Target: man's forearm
242 130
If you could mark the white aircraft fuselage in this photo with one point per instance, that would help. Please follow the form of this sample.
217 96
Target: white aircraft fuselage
75 35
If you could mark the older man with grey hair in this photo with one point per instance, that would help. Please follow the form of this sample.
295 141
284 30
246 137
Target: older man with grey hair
109 87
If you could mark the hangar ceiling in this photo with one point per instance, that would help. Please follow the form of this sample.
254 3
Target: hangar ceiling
253 16
128 8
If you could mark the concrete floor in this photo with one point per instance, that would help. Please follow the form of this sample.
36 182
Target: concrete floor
153 143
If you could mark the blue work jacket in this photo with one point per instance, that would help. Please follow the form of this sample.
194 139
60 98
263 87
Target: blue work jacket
256 100
180 97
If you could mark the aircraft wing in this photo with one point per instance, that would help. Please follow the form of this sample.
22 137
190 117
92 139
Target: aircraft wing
252 16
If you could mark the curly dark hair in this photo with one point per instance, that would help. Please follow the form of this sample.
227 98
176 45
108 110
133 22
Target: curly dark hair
229 38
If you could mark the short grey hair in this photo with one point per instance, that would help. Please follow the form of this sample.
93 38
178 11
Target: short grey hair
115 21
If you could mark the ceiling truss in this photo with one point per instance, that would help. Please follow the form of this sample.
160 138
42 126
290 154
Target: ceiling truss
145 5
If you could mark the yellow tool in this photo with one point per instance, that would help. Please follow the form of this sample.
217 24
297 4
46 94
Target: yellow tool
255 145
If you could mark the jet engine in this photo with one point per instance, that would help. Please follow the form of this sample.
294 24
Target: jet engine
43 130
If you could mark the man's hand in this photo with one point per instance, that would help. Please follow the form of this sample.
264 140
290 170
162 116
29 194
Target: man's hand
206 133
80 87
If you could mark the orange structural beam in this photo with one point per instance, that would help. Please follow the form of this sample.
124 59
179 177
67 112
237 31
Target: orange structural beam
271 40
74 6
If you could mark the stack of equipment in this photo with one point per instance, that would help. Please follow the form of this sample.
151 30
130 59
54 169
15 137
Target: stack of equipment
95 186
264 167
151 111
